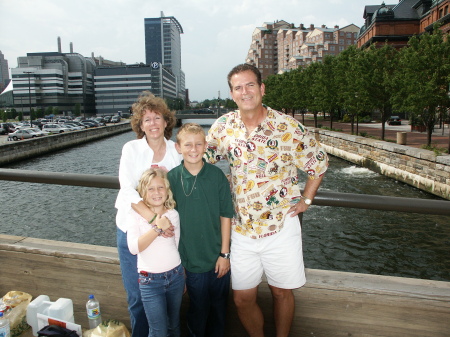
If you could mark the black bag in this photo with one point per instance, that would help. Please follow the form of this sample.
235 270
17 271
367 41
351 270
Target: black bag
56 331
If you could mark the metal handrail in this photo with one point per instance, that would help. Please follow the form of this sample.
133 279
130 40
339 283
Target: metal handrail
323 198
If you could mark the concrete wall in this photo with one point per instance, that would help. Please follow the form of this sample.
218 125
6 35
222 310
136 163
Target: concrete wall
417 167
21 150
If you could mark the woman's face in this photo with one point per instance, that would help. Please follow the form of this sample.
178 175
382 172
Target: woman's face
153 125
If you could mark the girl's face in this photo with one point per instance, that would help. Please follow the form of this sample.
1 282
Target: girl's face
156 194
153 124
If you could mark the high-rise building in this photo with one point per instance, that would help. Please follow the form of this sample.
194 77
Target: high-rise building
54 79
118 87
4 73
163 46
280 46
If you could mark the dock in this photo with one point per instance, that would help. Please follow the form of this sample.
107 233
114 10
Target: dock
331 303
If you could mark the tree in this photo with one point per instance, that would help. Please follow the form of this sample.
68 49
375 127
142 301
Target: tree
423 78
380 65
77 110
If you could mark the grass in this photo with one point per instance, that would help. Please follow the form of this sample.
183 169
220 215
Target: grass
436 149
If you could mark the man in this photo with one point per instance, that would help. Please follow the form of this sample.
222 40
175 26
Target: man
264 148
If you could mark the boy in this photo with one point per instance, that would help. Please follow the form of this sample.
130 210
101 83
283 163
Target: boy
203 198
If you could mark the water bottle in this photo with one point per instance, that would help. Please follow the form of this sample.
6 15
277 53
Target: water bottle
4 326
93 312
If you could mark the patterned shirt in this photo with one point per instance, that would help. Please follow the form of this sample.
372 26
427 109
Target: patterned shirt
264 167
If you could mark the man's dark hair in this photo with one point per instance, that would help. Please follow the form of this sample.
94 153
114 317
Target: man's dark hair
244 67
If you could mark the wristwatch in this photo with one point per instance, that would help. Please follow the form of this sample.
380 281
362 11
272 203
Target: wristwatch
306 200
225 255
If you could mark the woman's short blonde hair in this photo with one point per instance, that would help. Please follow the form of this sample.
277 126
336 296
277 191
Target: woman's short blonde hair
149 102
145 181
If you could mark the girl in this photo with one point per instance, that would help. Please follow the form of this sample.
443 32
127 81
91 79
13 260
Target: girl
161 276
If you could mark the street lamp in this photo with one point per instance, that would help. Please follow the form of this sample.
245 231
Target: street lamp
29 94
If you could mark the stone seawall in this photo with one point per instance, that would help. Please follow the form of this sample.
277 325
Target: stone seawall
14 151
417 167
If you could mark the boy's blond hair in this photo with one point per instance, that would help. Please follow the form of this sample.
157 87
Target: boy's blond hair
190 128
145 181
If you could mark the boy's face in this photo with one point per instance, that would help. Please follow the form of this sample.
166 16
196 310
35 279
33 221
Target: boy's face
192 146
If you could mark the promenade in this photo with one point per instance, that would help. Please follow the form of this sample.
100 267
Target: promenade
440 138
415 139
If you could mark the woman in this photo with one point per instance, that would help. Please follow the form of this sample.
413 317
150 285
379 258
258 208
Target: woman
153 122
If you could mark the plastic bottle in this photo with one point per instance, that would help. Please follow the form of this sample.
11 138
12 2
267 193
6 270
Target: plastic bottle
4 326
93 312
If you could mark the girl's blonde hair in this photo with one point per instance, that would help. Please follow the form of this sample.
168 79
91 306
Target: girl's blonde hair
145 181
148 101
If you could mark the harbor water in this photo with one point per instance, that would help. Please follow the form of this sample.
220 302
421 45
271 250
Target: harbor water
334 238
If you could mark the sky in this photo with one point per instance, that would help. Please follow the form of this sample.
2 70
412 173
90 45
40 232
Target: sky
217 33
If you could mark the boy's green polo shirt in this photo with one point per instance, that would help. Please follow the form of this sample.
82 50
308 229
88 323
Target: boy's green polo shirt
200 212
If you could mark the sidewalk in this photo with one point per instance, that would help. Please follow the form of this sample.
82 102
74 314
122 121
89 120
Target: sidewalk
413 139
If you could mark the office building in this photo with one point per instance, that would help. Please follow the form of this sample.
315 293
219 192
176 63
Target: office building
117 88
54 79
4 72
279 46
163 46
396 23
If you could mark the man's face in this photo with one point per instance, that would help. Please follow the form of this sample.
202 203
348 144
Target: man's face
246 91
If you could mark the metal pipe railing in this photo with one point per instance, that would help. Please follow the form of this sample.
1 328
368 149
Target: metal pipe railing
323 198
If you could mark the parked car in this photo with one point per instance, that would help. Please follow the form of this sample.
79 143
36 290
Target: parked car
107 119
6 128
115 119
77 125
39 131
23 134
395 120
55 128
89 123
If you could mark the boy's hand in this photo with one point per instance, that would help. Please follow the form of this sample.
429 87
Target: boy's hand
222 266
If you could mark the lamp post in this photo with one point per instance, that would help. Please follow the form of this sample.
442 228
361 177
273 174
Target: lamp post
29 94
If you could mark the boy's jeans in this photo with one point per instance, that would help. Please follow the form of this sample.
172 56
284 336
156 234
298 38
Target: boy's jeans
161 295
208 297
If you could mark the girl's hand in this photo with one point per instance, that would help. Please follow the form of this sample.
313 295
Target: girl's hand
162 222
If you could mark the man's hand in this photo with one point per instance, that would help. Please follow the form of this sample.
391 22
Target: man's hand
299 207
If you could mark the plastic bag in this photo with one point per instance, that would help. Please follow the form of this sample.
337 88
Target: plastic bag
108 328
56 331
18 301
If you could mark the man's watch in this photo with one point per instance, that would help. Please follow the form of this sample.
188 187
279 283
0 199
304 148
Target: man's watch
306 200
225 255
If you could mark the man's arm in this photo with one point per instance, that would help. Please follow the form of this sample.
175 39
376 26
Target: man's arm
311 187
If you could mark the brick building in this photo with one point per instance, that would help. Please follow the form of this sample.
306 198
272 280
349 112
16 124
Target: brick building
396 23
279 46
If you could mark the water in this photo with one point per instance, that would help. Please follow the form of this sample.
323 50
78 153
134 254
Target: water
344 239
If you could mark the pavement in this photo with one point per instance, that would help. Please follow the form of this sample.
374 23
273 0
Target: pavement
439 138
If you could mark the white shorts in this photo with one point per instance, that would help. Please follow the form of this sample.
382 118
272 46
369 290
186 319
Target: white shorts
279 256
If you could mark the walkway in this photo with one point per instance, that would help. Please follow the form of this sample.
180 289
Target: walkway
413 139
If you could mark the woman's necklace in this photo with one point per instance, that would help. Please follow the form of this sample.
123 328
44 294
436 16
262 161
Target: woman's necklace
182 184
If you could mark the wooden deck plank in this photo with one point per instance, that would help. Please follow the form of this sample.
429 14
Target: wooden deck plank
330 304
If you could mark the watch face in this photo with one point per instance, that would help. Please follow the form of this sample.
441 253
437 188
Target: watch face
307 200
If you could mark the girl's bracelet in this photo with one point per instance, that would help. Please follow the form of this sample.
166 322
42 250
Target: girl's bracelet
157 229
153 219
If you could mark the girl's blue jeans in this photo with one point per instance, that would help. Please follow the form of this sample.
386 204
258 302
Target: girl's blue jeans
161 295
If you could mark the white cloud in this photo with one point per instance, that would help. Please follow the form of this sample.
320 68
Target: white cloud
217 34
